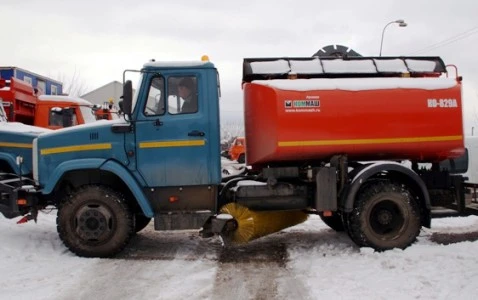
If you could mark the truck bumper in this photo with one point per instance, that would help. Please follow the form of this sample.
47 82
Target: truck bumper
17 196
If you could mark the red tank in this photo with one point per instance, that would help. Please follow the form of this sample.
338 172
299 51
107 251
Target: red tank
389 118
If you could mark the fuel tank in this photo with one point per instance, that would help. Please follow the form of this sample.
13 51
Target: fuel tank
294 120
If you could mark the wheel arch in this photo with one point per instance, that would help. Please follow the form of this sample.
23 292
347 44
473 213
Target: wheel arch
111 174
8 163
395 172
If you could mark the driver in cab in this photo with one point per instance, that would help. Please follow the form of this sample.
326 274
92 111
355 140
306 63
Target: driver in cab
187 91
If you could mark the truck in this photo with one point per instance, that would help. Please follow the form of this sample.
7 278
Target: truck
23 104
325 135
237 150
16 148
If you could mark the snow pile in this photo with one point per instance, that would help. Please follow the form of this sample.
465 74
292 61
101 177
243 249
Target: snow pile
318 264
359 84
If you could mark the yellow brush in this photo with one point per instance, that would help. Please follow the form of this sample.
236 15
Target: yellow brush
255 224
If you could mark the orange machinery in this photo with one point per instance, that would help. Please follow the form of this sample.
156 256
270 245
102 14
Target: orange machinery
107 111
237 150
49 111
372 109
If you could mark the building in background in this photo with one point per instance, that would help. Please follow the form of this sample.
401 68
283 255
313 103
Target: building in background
106 94
44 85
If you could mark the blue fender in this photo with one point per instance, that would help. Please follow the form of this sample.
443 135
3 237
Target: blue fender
70 165
102 164
369 170
132 184
11 161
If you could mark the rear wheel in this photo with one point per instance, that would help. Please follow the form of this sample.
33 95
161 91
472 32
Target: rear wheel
95 222
334 221
242 158
384 216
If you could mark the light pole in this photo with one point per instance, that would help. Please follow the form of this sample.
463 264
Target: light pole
400 23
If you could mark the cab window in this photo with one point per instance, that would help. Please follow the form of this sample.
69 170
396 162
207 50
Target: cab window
183 97
155 102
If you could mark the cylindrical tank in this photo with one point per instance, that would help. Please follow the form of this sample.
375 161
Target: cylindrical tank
365 118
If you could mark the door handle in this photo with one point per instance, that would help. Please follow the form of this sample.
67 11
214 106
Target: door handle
196 133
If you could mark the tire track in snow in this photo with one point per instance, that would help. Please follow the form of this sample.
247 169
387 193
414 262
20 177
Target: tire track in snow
257 271
178 258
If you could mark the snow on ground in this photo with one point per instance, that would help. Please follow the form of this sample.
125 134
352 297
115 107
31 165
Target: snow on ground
321 264
231 167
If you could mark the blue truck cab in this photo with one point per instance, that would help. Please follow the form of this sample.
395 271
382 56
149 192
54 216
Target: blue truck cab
110 178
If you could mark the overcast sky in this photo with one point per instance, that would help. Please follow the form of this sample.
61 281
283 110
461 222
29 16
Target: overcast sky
99 39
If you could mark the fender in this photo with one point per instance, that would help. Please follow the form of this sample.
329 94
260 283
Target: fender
11 161
70 165
102 164
368 171
120 171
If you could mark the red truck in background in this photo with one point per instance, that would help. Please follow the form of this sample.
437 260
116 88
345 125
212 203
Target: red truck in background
237 150
22 104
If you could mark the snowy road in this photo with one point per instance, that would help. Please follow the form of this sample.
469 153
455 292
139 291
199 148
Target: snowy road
253 271
308 261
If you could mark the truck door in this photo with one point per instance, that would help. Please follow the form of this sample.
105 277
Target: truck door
172 132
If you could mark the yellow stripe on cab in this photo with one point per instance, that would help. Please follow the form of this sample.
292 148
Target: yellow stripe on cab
16 145
75 148
164 144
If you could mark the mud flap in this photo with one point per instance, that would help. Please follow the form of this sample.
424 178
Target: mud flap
8 201
11 192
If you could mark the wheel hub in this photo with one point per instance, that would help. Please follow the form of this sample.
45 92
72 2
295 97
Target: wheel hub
384 217
92 223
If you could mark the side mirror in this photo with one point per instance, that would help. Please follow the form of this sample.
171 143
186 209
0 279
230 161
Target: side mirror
127 97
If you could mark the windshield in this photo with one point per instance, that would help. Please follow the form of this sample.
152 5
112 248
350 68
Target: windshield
88 114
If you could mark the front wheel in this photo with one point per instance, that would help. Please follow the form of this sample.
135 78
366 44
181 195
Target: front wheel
385 216
95 222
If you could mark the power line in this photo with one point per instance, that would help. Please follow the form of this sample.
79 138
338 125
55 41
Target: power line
448 41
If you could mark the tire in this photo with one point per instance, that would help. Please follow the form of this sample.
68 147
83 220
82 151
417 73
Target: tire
140 222
385 216
242 158
95 222
334 221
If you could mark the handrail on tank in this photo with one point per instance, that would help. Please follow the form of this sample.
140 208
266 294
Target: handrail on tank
456 70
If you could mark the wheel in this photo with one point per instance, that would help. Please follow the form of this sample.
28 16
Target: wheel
95 222
334 221
384 216
242 158
140 222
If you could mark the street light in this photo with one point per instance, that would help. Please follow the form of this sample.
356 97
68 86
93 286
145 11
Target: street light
400 23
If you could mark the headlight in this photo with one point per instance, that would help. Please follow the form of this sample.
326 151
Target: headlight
35 160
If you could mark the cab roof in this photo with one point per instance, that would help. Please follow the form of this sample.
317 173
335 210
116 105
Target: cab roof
179 64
